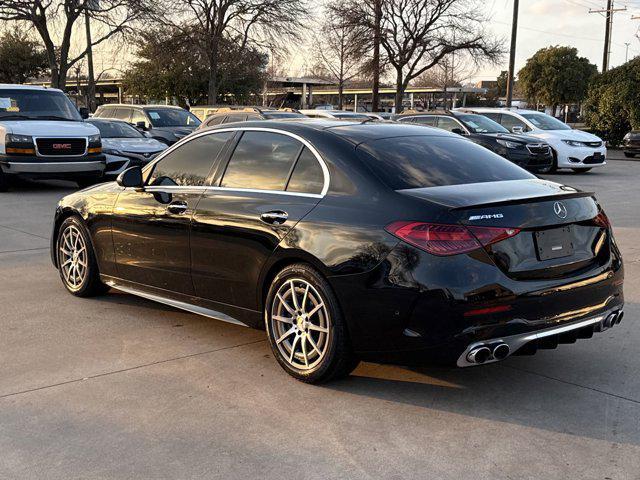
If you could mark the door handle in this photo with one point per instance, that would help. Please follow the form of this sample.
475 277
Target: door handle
178 207
276 217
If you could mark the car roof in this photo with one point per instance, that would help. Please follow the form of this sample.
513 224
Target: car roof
128 105
353 131
13 86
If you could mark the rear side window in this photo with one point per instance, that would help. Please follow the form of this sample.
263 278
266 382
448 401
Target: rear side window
236 117
122 114
307 176
261 160
509 121
106 112
430 121
214 120
190 163
417 162
496 117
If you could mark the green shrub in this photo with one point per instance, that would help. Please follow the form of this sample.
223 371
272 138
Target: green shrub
612 107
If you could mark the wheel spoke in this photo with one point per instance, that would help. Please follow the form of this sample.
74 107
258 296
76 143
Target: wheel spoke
293 348
66 262
285 335
283 319
317 328
291 311
304 350
315 309
293 295
304 298
313 344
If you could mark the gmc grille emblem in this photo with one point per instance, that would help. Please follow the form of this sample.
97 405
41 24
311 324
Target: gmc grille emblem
61 146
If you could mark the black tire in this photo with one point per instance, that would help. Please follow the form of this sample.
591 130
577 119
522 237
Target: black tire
4 183
581 170
89 284
86 182
554 165
629 155
331 356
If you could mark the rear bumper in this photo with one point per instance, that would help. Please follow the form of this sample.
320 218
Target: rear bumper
61 167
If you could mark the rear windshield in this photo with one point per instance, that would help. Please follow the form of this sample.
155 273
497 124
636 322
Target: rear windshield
430 161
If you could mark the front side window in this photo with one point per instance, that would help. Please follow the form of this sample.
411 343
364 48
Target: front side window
427 161
448 124
122 114
307 176
481 124
116 130
425 120
190 163
545 122
509 121
262 161
137 117
172 117
26 104
236 117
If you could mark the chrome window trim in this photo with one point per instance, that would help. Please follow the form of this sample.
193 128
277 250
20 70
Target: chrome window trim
193 136
209 188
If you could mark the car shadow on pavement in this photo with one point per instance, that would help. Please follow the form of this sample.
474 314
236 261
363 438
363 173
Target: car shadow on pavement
19 185
504 392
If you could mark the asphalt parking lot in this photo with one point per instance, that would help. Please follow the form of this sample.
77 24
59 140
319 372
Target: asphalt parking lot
120 387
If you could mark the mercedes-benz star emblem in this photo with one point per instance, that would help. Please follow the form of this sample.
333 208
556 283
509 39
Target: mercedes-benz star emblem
560 209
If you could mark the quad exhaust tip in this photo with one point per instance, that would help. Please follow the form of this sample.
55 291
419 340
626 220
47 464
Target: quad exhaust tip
501 351
479 355
483 354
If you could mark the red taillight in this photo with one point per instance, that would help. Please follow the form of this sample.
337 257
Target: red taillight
602 220
487 310
439 239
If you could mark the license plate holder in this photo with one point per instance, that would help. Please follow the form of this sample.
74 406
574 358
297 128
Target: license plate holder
554 243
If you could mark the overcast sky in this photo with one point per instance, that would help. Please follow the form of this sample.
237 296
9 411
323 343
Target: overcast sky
565 22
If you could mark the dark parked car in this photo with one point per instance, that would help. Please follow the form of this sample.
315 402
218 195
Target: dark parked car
528 152
631 144
165 123
234 115
350 241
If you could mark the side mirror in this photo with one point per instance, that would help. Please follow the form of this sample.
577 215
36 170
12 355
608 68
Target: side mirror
517 129
141 125
131 177
84 112
459 131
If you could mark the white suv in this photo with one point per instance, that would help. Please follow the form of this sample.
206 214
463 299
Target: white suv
575 149
42 135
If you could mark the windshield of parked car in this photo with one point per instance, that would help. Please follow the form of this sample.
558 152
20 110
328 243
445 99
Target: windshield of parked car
431 161
481 124
25 104
545 122
351 116
117 130
276 115
172 117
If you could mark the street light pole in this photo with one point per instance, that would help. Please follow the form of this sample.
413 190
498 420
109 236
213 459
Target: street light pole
512 55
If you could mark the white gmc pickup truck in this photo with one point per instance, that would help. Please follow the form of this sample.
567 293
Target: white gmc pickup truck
43 136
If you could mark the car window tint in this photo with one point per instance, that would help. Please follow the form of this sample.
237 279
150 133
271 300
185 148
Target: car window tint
496 117
214 120
448 124
253 116
236 117
427 161
122 114
307 176
139 116
190 163
106 113
424 120
509 121
261 160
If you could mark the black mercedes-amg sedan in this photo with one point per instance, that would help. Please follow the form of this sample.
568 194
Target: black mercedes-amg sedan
350 241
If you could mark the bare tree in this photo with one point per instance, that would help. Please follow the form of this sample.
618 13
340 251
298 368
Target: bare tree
366 16
266 24
418 34
55 22
452 71
339 49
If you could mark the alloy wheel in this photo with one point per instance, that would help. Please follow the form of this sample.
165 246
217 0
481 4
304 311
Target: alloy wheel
300 324
72 257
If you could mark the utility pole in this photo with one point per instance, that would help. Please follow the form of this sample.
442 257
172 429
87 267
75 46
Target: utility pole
626 55
610 10
375 64
91 80
512 54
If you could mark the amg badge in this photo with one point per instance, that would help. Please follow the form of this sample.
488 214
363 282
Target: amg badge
486 217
